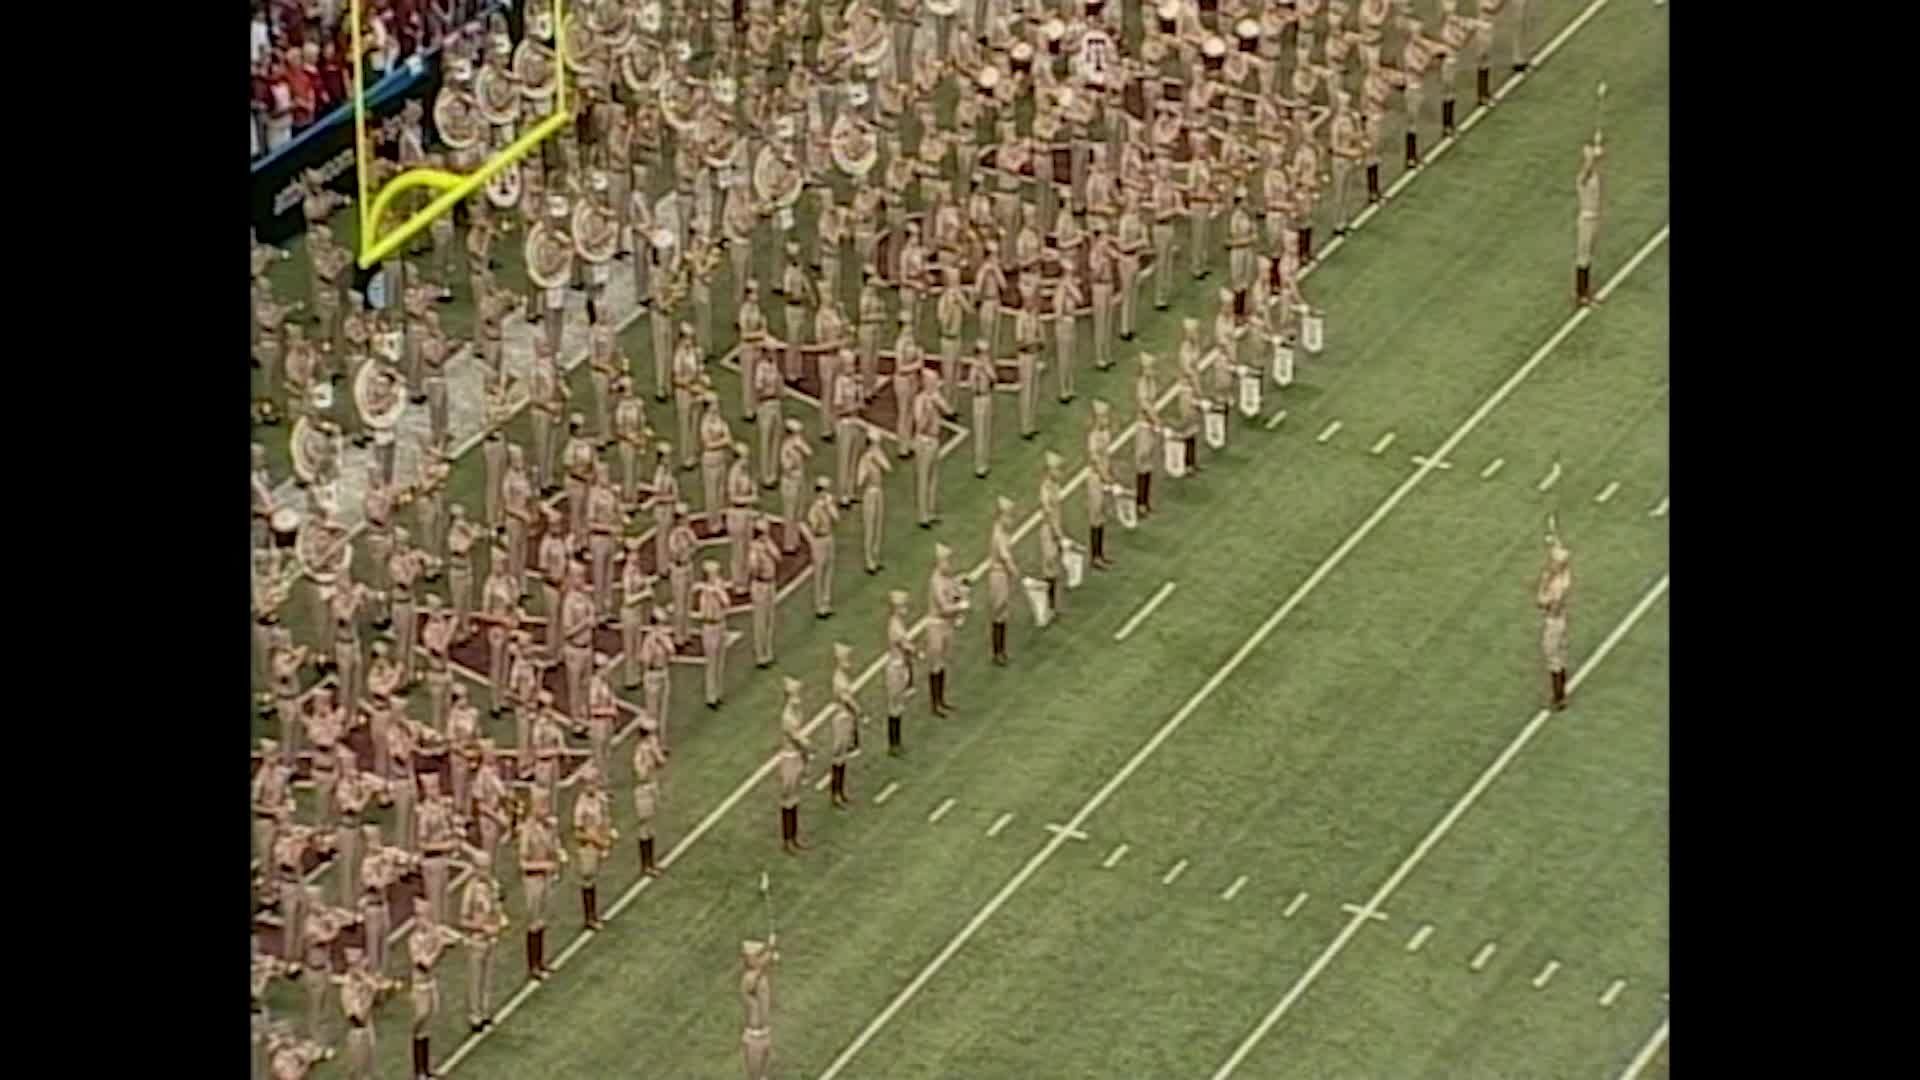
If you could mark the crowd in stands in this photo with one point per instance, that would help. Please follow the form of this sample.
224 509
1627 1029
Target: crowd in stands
301 54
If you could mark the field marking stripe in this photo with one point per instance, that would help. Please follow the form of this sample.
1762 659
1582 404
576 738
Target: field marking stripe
1178 869
1233 890
1661 510
1612 993
1329 431
1274 421
1114 857
1647 1053
999 824
1492 467
1294 907
940 811
1553 474
1419 938
1440 830
1608 492
1485 954
1546 973
1141 615
1381 446
887 792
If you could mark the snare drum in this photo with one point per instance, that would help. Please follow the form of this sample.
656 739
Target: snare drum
285 524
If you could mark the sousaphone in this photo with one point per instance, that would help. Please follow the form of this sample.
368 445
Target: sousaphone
503 187
854 146
496 95
640 68
534 68
582 45
548 254
943 8
309 445
453 116
678 106
381 416
596 232
317 548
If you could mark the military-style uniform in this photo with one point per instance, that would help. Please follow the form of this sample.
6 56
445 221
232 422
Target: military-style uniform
484 918
711 598
763 566
1552 597
1003 575
648 760
540 860
845 712
821 517
870 479
593 837
795 749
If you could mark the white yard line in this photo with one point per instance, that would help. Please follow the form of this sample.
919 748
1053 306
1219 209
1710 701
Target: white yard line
1233 890
999 823
1328 432
1612 993
1433 837
1546 974
1479 962
1141 615
1381 447
1356 909
1299 901
1114 857
1492 467
1173 874
939 811
1608 492
1277 418
886 792
867 675
1647 1053
1419 938
1260 635
1438 463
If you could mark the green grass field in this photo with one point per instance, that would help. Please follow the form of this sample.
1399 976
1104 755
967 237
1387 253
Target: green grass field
1295 808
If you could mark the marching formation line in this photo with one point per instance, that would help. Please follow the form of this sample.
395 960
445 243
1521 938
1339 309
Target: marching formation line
1553 474
940 811
1612 993
1660 510
1140 616
1265 630
1113 857
1445 825
1419 938
1329 431
1381 446
1274 421
886 792
1233 890
1492 467
1485 954
999 824
1066 832
1607 492
1299 899
1546 973
1435 462
1356 909
1174 874
1647 1053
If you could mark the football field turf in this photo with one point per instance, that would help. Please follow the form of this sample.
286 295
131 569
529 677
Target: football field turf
1307 819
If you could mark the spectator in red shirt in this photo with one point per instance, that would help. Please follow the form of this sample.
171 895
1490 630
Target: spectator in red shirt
300 84
333 77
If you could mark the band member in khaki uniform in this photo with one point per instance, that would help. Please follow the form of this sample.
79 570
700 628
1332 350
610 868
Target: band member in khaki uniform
681 545
1100 482
797 289
870 479
605 520
770 417
425 942
846 722
687 392
661 499
981 379
540 860
908 363
648 759
928 409
1349 150
434 836
989 285
743 497
636 605
947 603
357 990
1003 575
1132 239
1587 225
593 838
794 453
1552 596
711 598
763 564
484 917
821 517
716 453
656 657
517 510
851 430
756 993
1168 208
1103 261
1053 527
901 653
795 751
547 393
1147 433
1028 343
951 313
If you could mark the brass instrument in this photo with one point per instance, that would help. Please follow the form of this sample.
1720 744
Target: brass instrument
596 232
533 62
548 256
382 417
495 96
453 112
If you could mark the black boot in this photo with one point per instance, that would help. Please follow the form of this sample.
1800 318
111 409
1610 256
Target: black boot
793 813
422 1062
1305 246
1373 182
647 865
1559 690
533 954
1483 86
1446 117
1583 284
1140 492
935 685
1146 486
1193 453
893 735
1053 596
1413 150
1000 643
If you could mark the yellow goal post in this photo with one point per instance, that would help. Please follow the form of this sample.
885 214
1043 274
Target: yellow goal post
452 187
